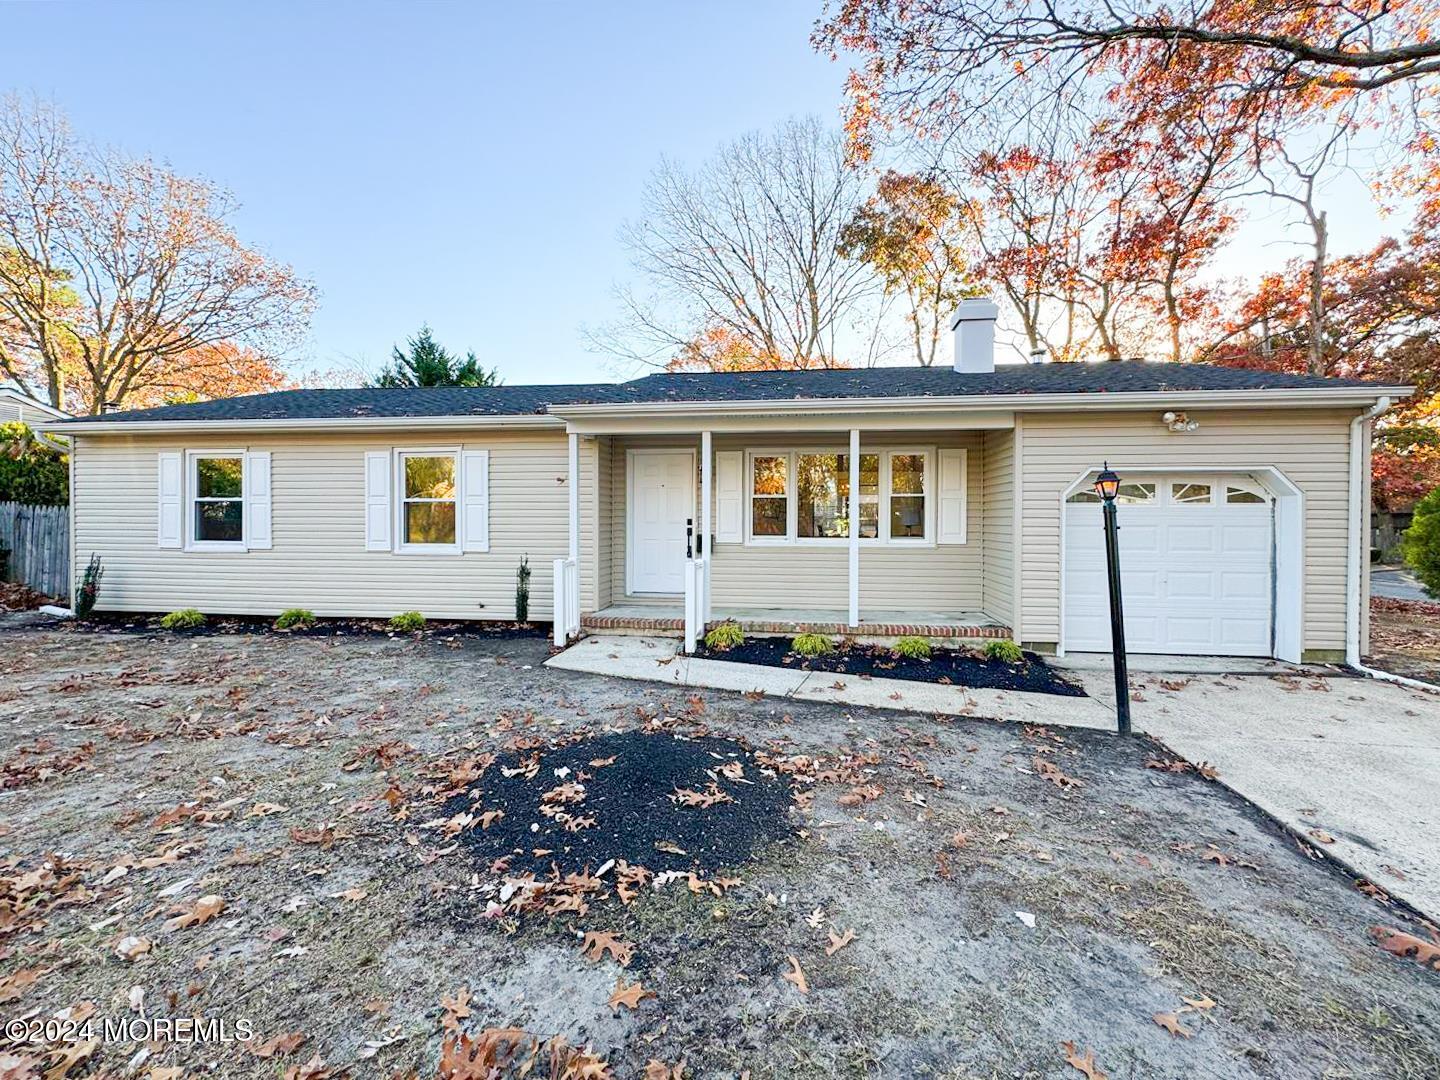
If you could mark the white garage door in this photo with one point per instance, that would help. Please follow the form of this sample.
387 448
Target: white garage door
1195 567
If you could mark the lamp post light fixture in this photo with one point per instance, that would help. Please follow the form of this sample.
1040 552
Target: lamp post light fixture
1107 486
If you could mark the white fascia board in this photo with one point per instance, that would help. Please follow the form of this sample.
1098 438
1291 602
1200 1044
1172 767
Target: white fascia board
333 423
1314 397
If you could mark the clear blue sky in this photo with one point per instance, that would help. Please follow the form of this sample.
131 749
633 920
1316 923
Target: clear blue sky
460 164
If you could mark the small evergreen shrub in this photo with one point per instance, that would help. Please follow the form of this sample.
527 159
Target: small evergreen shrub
295 618
812 644
725 636
1005 651
522 590
89 590
1421 542
184 619
912 648
408 622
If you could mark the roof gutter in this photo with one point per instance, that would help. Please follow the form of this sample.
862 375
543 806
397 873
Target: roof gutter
328 423
1315 397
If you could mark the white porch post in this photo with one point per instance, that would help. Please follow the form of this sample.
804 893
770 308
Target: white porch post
854 513
706 458
574 481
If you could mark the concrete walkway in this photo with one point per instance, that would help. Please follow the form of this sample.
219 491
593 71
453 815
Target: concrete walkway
1327 754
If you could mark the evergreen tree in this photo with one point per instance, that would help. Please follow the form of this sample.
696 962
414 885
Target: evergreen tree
425 362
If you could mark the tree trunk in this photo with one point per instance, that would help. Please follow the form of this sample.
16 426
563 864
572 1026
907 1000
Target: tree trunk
1315 364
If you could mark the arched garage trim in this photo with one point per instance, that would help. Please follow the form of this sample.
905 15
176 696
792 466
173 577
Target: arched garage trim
1289 543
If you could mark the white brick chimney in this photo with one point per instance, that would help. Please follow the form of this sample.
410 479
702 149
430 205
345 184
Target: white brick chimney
974 327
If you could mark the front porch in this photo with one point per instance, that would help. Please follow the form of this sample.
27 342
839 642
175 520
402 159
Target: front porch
669 620
677 526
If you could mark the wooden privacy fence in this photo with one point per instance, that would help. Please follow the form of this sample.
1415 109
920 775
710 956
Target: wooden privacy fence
38 538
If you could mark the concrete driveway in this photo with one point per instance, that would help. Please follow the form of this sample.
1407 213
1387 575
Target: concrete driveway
1329 755
1396 583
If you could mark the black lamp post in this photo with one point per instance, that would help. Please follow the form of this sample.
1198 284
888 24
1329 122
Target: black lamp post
1107 486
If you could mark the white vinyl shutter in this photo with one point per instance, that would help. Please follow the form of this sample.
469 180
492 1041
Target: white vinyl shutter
729 496
257 499
952 496
377 500
475 499
171 517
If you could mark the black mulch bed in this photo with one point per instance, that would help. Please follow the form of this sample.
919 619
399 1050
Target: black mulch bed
958 667
115 622
637 818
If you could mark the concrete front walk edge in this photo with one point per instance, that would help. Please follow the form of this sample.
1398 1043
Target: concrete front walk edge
1324 753
658 659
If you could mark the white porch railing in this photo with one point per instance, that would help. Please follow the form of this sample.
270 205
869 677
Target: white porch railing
567 601
697 599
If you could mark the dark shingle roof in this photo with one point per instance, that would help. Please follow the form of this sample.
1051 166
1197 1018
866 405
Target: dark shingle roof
1127 376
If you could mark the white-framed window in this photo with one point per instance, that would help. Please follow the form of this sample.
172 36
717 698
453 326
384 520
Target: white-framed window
1192 493
215 500
427 504
802 496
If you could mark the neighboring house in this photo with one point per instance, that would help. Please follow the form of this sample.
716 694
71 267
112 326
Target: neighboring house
1242 514
15 405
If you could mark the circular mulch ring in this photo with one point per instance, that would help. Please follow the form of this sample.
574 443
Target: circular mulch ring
657 801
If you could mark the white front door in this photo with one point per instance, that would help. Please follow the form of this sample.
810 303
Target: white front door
662 498
1195 567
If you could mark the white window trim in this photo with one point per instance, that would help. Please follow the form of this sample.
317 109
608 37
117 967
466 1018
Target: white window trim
190 485
792 506
398 456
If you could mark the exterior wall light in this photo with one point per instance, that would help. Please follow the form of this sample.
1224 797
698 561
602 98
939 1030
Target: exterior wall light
1178 421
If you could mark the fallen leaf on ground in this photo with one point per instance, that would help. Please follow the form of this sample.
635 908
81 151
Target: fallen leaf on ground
1321 836
598 942
816 918
314 1069
839 941
1048 770
796 975
205 909
658 1070
457 1008
1085 1064
286 1043
1407 946
1171 1023
131 947
13 986
629 996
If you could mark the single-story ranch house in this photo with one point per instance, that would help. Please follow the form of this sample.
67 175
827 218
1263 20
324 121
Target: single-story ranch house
954 501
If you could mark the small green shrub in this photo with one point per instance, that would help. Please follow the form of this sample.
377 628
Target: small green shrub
1421 542
89 590
522 590
184 619
812 644
725 636
408 622
295 618
912 648
1005 651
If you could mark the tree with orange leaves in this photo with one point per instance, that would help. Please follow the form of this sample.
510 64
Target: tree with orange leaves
121 282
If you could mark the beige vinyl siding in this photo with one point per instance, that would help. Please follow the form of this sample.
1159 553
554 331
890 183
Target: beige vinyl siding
319 560
13 408
944 578
998 515
1310 446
